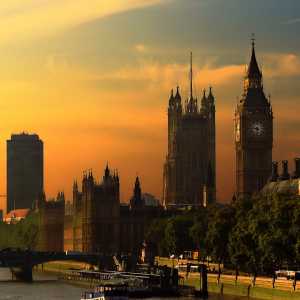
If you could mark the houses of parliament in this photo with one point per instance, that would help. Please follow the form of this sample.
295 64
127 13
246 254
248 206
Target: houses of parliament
100 222
253 133
190 169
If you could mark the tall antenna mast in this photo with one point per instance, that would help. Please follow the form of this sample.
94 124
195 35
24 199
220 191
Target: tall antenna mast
253 40
191 74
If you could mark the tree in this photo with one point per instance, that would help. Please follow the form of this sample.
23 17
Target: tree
272 226
240 236
22 235
219 229
28 231
198 230
155 236
295 230
177 234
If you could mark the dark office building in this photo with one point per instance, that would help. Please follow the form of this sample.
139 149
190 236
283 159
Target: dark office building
25 171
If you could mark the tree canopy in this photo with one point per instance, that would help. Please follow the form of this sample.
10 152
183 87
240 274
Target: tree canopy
23 234
257 235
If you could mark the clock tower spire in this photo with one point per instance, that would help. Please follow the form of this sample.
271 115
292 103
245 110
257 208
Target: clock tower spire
253 133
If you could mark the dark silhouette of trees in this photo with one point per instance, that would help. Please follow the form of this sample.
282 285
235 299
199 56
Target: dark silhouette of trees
258 235
217 237
155 236
177 234
198 231
23 235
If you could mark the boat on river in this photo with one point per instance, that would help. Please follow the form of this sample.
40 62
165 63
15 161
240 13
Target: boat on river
107 292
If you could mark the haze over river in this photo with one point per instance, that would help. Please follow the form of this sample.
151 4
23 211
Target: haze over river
46 287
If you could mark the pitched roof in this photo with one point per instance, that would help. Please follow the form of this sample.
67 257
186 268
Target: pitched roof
17 213
253 68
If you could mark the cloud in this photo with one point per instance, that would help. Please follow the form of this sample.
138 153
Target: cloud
166 76
152 75
282 65
292 21
140 48
33 18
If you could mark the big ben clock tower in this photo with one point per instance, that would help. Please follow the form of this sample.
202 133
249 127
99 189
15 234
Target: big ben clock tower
253 133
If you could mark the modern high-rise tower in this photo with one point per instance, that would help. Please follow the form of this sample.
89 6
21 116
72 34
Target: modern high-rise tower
25 170
190 167
253 133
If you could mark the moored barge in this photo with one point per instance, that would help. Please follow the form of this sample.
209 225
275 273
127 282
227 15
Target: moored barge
107 292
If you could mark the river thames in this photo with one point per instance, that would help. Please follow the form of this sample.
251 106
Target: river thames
48 287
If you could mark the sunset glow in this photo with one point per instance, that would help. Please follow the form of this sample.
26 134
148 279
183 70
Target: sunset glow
93 81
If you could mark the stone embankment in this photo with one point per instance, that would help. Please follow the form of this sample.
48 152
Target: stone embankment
263 288
227 285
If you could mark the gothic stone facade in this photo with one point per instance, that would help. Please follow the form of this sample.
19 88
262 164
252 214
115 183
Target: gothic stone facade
51 223
99 222
253 133
190 167
102 224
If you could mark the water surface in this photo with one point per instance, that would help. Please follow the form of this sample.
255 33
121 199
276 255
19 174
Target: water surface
48 287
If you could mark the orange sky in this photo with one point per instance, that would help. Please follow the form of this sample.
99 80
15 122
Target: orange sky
96 92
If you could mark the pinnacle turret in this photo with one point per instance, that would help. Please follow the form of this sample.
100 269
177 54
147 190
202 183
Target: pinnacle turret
75 185
177 96
253 68
136 200
210 96
203 100
171 100
106 172
253 95
137 185
253 78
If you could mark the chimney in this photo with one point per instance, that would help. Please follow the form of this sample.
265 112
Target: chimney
297 168
285 170
274 175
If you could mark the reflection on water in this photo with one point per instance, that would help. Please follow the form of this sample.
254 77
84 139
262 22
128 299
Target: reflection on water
44 287
47 287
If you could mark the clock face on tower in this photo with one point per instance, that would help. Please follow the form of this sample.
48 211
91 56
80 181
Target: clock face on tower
257 129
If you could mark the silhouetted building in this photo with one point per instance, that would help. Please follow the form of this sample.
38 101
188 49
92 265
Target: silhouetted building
253 133
77 219
25 177
51 222
150 200
137 201
100 213
190 167
99 222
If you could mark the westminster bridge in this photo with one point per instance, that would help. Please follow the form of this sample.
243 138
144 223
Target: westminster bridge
21 262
